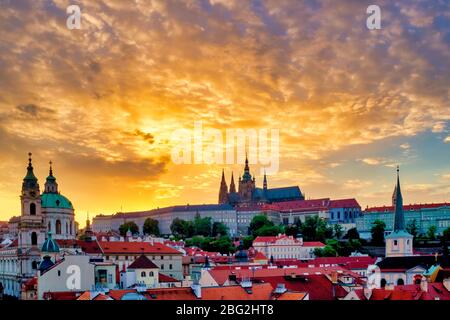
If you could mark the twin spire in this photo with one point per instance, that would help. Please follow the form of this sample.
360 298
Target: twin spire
30 180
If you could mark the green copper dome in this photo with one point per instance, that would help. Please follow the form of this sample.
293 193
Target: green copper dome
55 200
50 245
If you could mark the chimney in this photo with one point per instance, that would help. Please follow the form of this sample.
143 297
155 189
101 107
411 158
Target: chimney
424 284
446 283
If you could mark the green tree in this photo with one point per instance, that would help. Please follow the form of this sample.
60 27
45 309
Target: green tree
151 226
377 231
291 230
431 232
327 251
247 241
338 231
258 222
268 231
413 228
202 226
219 228
352 234
182 228
130 225
223 245
316 229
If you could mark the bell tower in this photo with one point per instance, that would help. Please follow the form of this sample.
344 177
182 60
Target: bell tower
223 192
31 228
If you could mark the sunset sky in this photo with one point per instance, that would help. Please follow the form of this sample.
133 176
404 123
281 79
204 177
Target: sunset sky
102 102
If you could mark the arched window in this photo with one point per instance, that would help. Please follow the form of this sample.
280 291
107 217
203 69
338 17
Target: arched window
49 226
58 227
33 239
417 281
143 274
151 274
383 283
400 282
67 227
70 228
32 209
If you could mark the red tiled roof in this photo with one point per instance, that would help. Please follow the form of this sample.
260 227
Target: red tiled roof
411 292
120 247
344 203
313 244
142 263
291 296
408 207
164 278
319 287
261 291
89 247
259 256
170 294
221 275
273 239
118 294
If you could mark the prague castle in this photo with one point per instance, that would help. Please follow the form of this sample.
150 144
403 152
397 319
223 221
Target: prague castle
248 194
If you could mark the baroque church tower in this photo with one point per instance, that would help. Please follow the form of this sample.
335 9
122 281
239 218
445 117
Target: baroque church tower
31 228
399 243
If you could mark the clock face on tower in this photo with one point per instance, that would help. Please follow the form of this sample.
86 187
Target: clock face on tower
32 193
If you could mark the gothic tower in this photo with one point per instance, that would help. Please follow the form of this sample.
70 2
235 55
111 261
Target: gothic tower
223 192
246 184
399 243
31 228
232 186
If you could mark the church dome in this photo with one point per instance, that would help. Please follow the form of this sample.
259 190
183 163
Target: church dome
50 245
55 200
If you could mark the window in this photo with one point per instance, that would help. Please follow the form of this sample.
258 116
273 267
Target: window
395 242
143 274
162 267
32 209
58 227
34 265
67 228
151 274
59 273
33 239
170 266
49 226
383 283
400 282
71 227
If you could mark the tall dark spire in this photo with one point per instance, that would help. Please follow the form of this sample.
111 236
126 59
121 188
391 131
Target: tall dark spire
232 186
246 176
223 192
399 219
265 181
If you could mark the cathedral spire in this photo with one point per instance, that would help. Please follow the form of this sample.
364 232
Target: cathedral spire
265 181
223 192
399 219
232 185
247 176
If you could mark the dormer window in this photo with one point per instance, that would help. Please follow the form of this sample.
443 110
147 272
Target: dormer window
57 202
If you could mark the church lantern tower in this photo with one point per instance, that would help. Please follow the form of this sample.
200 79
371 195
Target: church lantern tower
223 192
31 229
399 243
